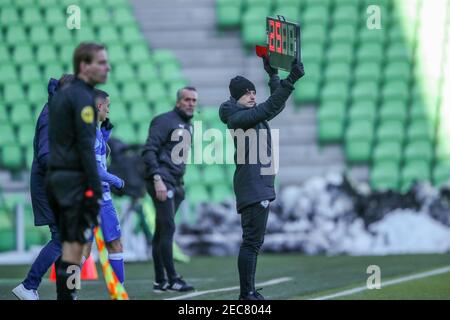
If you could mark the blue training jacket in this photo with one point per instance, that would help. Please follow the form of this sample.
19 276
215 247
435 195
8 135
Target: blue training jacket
102 136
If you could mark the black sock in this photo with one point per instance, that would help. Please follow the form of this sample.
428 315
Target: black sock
65 287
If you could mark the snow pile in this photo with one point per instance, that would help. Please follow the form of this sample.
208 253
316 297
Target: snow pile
332 215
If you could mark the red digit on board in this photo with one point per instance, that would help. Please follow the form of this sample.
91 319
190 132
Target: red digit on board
278 36
271 35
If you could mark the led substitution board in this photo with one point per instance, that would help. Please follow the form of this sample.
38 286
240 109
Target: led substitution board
283 42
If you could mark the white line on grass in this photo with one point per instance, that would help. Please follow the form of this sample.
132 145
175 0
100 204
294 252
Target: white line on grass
387 283
200 293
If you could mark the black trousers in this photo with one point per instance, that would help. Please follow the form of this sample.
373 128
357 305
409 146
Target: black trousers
254 222
162 243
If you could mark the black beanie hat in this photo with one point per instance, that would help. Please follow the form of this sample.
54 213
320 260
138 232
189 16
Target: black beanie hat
239 86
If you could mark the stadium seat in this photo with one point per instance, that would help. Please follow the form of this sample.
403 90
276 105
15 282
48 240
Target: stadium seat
362 110
441 174
213 174
418 151
367 71
367 90
385 176
393 111
39 35
228 14
414 171
420 130
221 192
391 131
12 157
388 151
370 52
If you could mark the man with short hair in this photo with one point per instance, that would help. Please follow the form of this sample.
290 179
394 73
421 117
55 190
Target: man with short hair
164 176
253 183
43 215
109 220
73 182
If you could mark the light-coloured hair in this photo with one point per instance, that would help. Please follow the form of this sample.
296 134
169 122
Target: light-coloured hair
180 91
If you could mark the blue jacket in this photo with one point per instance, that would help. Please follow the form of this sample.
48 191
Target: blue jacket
43 215
107 179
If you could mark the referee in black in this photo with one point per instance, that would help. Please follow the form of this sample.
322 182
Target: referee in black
254 188
164 178
73 183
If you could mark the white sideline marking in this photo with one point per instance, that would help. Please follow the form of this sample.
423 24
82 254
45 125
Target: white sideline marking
387 283
199 293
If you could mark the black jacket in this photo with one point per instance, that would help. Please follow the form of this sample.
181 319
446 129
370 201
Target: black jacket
249 185
72 123
43 215
159 145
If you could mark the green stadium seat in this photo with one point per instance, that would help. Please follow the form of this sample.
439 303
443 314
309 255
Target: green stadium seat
193 176
388 151
400 70
391 131
142 130
163 56
123 16
197 194
358 151
46 53
372 36
420 130
54 16
61 36
441 174
338 91
316 14
117 54
398 52
155 91
23 54
367 71
339 71
306 92
118 113
139 111
131 91
12 93
130 34
37 93
342 52
21 113
360 131
414 171
393 110
421 111
213 174
313 53
8 74
99 16
147 72
108 34
363 109
4 54
228 15
395 90
123 73
370 52
170 72
418 151
126 133
16 35
346 14
331 130
26 134
253 33
139 53
31 16
7 136
39 35
162 105
9 16
385 176
84 34
290 12
442 152
345 33
365 90
221 193
396 34
29 73
316 33
12 157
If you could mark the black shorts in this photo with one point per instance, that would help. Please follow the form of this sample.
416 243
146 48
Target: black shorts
65 191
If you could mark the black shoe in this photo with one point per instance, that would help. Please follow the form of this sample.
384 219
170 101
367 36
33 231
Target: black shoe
252 295
179 285
160 287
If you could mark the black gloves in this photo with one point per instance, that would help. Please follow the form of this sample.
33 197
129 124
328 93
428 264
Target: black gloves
107 124
270 71
296 73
